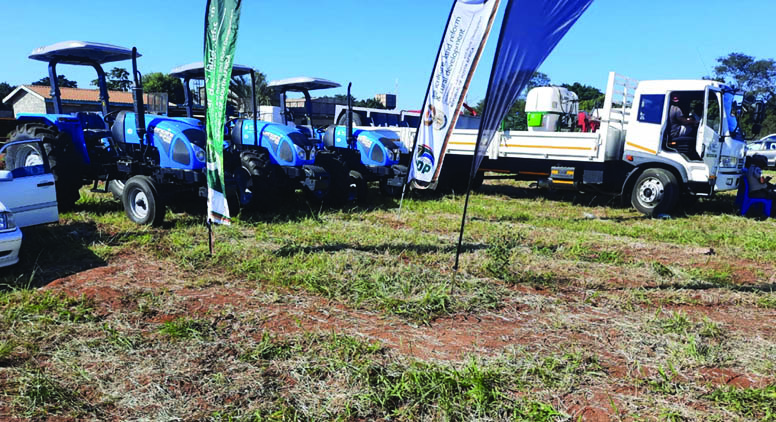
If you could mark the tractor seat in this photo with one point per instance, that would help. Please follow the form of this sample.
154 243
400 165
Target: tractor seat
328 136
117 130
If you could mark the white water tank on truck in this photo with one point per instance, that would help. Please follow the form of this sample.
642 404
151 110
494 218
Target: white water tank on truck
550 108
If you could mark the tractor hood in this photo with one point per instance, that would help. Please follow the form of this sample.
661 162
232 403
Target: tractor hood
286 144
180 142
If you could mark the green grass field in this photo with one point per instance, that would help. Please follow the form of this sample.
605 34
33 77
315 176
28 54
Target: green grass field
565 307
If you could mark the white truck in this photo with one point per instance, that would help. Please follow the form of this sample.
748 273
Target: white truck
632 154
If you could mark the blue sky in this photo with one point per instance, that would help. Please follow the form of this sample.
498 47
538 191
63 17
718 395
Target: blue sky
382 45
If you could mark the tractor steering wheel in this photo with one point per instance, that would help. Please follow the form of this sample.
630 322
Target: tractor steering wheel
111 117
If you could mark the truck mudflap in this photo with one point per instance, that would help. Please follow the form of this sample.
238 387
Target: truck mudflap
398 176
316 179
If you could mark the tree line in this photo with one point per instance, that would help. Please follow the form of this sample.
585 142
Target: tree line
749 75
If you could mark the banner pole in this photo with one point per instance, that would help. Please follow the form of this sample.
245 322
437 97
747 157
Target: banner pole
465 208
210 236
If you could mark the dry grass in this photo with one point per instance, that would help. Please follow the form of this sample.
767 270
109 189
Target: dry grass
563 310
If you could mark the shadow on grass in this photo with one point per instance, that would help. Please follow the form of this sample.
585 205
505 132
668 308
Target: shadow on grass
393 248
52 252
722 204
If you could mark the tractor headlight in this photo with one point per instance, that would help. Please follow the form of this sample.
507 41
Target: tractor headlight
396 154
728 161
313 152
300 152
7 222
200 154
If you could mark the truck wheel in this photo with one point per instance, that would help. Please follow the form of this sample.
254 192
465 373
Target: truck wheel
141 201
62 161
655 192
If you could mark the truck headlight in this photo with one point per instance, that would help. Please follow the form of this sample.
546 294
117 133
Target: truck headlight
728 161
7 222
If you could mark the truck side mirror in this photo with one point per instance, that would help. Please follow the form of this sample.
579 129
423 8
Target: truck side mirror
756 128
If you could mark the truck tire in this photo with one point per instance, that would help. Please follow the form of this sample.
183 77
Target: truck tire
63 162
141 200
655 192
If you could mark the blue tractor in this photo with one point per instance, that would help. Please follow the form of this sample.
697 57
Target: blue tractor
352 157
144 159
276 158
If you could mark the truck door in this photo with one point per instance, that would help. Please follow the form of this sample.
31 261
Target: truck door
709 145
27 184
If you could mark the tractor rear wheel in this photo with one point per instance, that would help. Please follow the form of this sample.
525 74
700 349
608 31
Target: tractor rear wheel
63 161
142 202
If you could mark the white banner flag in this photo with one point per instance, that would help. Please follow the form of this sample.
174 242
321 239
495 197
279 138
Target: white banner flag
464 39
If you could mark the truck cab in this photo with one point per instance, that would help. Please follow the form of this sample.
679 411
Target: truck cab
707 154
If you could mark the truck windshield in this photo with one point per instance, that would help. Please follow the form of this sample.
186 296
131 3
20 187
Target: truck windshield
728 100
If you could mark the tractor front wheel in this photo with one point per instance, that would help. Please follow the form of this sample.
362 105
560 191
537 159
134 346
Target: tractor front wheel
142 202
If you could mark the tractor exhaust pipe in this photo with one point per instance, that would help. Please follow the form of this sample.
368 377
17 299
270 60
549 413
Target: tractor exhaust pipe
351 138
137 93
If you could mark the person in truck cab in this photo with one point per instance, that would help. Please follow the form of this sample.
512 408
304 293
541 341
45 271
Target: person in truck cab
680 125
759 185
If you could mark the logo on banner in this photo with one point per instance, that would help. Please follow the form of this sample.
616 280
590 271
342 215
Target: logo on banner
425 160
435 117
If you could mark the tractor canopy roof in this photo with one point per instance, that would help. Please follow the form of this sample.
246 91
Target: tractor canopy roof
81 53
196 70
303 83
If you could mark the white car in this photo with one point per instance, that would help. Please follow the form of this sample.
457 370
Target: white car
27 195
10 238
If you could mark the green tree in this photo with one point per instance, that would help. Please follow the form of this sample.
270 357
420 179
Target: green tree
62 81
5 89
589 97
117 80
752 77
369 102
162 82
240 89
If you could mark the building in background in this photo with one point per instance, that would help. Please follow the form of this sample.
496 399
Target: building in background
37 99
